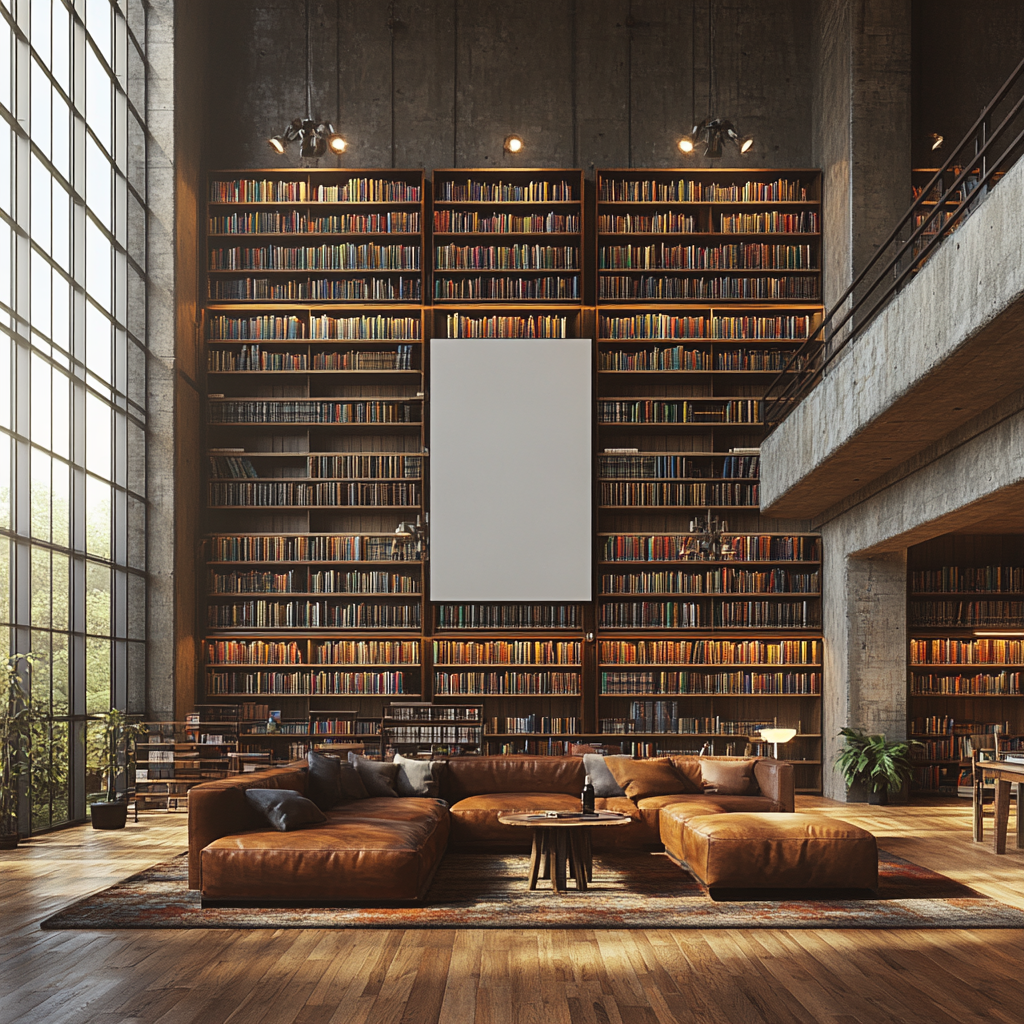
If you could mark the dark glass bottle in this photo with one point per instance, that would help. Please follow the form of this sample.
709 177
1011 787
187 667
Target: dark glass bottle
587 797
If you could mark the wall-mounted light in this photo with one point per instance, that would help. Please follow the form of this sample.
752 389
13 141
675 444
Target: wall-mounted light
513 144
935 141
685 145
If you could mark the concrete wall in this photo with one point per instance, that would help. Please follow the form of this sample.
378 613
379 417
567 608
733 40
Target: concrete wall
585 82
962 55
175 99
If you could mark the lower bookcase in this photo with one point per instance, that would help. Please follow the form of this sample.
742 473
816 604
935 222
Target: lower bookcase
965 664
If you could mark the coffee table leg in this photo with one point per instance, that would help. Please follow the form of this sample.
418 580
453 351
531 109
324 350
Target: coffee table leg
576 856
545 852
588 854
558 868
536 855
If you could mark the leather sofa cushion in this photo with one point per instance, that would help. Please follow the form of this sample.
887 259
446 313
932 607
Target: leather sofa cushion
476 776
731 778
475 819
779 850
674 812
654 777
364 852
642 832
690 768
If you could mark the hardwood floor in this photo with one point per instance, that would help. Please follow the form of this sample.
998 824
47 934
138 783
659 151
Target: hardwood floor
458 977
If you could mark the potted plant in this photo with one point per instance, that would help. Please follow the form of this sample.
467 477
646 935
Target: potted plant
870 759
26 747
118 736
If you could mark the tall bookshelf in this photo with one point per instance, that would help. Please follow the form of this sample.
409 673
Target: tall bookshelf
965 659
707 281
313 328
508 256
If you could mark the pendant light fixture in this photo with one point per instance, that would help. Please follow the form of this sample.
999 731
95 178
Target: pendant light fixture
712 132
315 136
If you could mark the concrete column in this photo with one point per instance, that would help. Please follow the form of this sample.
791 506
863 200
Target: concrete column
861 115
865 628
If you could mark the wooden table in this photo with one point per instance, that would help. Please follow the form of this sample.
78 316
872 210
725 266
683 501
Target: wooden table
1005 774
562 845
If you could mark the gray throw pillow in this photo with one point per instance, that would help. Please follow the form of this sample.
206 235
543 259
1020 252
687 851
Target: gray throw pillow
418 778
323 784
285 809
378 776
352 785
600 777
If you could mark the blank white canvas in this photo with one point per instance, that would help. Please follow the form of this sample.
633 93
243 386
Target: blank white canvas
510 469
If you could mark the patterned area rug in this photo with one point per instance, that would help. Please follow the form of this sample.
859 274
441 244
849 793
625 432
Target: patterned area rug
489 891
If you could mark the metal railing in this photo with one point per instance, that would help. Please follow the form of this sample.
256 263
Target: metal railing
953 193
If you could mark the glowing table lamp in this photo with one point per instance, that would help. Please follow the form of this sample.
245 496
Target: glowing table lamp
776 736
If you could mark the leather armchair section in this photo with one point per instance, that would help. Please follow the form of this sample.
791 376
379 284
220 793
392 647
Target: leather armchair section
777 780
219 808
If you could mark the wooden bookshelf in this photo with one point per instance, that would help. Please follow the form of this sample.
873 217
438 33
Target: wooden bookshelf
313 328
965 659
694 294
707 282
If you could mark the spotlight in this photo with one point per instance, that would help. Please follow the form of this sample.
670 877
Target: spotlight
315 138
712 132
685 145
513 143
935 141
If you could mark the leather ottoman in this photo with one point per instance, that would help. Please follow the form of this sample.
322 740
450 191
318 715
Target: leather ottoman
775 851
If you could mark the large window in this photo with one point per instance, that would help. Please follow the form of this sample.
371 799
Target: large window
72 351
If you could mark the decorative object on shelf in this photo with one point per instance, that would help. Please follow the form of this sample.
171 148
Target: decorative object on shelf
410 531
32 746
883 767
315 136
707 541
118 736
712 131
512 144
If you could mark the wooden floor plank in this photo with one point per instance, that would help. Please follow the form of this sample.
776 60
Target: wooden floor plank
454 976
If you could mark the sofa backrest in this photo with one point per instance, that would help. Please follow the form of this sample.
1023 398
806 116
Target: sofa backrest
218 808
475 776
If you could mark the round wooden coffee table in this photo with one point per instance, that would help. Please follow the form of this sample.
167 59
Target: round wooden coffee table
561 845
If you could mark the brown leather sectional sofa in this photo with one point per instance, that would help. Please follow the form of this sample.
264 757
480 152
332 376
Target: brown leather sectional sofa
387 848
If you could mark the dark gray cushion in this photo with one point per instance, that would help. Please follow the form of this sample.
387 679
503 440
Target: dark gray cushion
418 778
285 809
378 776
323 786
600 777
352 785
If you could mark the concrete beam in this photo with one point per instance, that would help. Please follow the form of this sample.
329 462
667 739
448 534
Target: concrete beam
944 350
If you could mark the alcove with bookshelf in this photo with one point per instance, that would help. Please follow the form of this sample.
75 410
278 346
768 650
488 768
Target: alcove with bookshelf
965 664
313 329
708 281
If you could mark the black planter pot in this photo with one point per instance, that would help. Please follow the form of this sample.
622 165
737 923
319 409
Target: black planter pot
109 814
880 798
8 840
